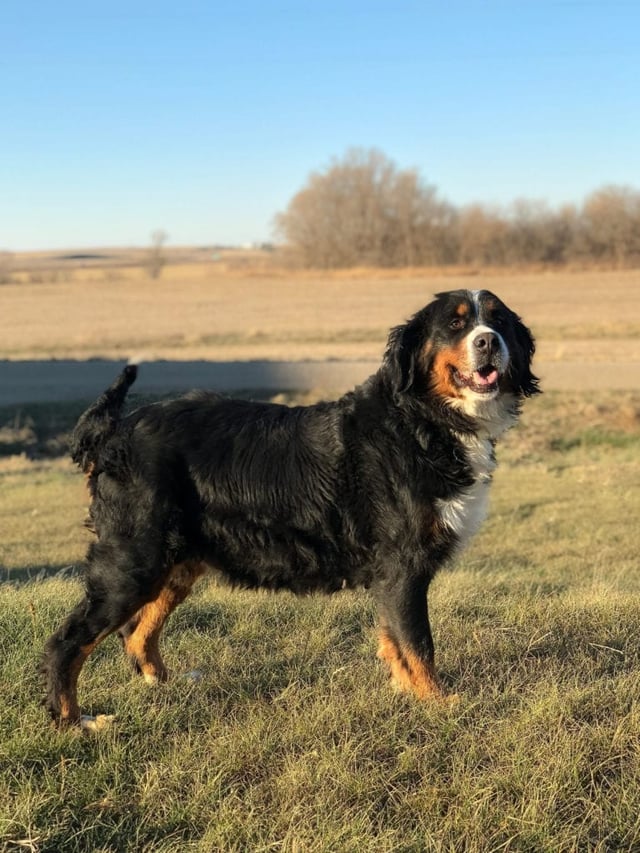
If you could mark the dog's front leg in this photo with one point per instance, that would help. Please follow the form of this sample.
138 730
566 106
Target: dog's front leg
405 640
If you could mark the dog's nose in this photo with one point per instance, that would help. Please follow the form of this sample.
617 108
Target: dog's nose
486 342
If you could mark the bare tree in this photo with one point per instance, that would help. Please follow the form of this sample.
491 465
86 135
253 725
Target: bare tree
527 232
361 210
482 236
610 225
561 235
156 259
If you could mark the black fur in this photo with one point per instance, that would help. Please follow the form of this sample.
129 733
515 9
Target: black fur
334 495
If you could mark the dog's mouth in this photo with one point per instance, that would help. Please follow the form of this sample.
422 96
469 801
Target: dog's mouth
484 380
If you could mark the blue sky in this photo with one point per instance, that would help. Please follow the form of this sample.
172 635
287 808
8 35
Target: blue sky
205 118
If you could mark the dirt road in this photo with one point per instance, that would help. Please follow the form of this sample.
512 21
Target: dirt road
53 381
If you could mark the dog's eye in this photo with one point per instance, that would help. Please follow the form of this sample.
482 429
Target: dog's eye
458 323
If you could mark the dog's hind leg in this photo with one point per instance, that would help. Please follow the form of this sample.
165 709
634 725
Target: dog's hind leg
141 634
116 588
405 641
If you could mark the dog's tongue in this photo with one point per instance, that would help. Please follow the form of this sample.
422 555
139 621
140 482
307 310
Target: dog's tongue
485 377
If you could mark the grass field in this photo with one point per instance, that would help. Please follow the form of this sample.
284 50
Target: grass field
292 739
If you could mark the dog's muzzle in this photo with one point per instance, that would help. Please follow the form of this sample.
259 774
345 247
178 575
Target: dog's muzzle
488 359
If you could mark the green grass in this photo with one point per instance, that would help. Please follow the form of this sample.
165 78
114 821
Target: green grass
293 741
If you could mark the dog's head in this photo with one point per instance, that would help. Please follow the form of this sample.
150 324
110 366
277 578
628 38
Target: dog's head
466 347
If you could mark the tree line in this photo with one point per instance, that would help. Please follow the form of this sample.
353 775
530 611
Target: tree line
363 210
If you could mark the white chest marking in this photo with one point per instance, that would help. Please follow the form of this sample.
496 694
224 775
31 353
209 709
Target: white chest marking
464 514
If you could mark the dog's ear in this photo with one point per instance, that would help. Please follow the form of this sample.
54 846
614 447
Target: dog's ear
403 349
524 381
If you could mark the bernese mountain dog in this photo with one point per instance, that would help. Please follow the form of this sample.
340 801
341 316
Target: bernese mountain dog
377 489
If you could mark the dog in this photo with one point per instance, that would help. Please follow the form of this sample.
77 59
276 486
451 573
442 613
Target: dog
377 489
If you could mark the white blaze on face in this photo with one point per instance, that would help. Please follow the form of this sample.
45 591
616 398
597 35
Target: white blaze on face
475 298
481 396
499 360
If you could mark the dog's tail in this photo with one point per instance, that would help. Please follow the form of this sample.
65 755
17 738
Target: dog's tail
100 420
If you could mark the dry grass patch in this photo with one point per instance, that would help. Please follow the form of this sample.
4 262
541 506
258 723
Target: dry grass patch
199 310
41 509
293 740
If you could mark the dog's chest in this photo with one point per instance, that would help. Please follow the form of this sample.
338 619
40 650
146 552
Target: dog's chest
464 514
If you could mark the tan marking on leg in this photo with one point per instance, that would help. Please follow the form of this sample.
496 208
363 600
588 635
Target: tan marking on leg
423 677
143 642
409 673
69 708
